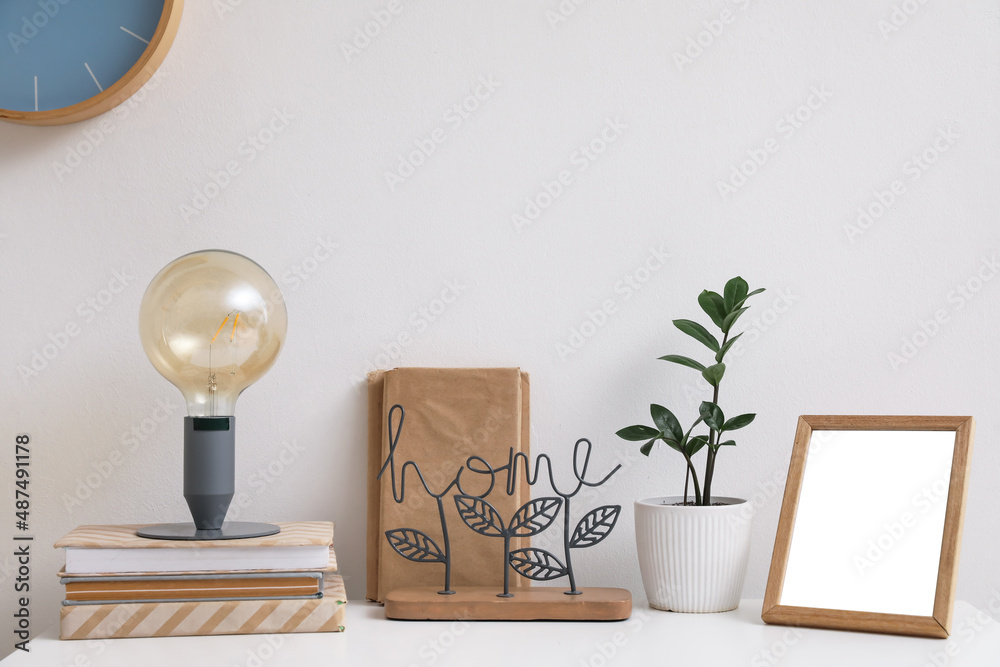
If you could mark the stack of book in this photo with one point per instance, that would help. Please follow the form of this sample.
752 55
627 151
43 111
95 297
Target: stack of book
121 585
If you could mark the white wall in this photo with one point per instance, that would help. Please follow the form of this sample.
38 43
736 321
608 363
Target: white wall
836 308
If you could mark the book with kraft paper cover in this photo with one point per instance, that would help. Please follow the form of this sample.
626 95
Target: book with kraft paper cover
451 414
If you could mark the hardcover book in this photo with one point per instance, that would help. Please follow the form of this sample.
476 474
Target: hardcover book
118 550
187 587
331 566
451 414
177 619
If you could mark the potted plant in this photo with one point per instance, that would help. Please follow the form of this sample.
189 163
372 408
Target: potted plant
693 552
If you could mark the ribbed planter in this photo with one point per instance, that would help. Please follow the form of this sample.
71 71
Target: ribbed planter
692 559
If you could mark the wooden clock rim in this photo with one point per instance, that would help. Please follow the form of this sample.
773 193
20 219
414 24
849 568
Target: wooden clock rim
129 84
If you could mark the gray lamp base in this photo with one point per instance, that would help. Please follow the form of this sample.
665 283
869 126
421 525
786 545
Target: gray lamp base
209 485
231 530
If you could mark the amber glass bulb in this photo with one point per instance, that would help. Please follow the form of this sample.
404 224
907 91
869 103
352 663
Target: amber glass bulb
212 322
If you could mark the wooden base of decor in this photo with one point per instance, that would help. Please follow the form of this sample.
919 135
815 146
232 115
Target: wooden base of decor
480 603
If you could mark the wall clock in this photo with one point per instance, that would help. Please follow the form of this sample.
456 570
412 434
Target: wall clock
63 61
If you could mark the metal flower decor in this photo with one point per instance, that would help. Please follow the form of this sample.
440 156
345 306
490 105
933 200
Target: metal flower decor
532 518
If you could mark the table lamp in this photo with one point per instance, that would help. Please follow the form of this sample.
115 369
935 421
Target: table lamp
211 322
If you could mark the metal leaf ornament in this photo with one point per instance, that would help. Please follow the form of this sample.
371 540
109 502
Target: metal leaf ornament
415 545
595 526
534 516
536 564
480 516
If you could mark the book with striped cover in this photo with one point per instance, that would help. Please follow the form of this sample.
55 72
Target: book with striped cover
177 619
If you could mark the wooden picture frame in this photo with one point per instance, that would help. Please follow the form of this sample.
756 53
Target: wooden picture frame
938 624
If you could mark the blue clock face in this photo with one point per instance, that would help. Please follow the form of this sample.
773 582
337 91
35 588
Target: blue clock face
57 53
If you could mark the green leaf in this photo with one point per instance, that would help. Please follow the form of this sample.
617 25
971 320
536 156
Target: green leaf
714 306
666 422
699 333
713 374
695 444
731 443
735 292
743 300
725 348
731 318
698 421
738 422
648 447
673 444
685 361
712 414
638 432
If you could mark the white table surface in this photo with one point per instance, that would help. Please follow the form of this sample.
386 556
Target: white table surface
649 638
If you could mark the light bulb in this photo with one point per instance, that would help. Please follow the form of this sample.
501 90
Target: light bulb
212 323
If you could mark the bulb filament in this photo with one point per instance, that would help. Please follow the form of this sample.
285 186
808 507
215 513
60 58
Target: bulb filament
212 386
236 319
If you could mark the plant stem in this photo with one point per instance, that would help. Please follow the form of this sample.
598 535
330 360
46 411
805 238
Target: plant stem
713 439
709 473
687 478
694 474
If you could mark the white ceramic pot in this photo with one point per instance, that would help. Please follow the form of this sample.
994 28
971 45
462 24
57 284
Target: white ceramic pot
693 559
